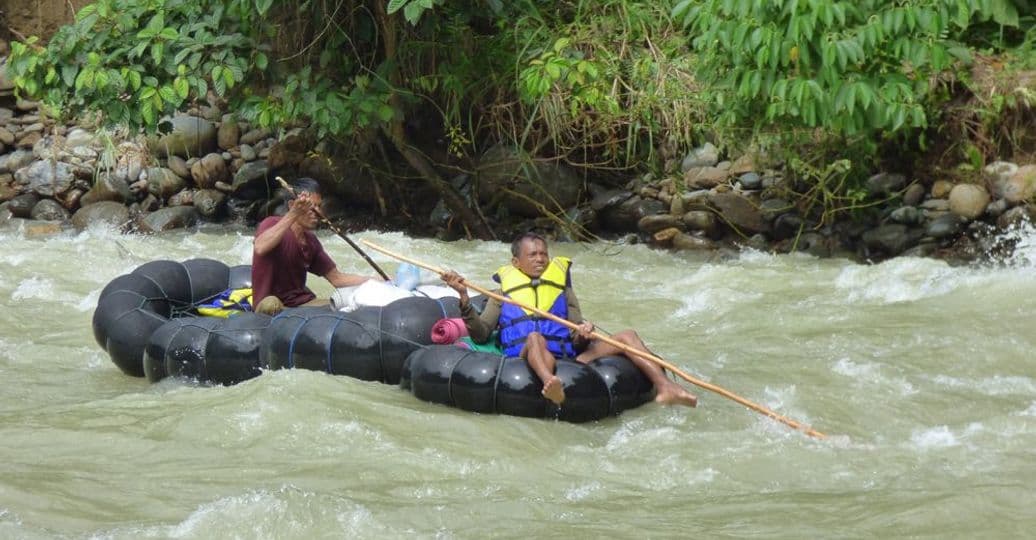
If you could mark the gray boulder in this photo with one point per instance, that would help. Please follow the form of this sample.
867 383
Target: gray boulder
252 181
968 200
209 170
739 212
108 212
21 205
229 133
47 178
885 183
15 160
945 226
107 187
190 136
49 210
209 202
892 239
163 183
165 219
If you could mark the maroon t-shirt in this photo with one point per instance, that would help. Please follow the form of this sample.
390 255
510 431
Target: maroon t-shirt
282 271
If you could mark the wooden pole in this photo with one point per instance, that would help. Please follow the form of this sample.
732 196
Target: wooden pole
339 232
607 339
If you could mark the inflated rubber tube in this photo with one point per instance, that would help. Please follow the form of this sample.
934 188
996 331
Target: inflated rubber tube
240 276
134 305
370 343
208 349
490 383
174 335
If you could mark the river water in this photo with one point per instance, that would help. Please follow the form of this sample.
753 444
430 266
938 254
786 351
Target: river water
921 374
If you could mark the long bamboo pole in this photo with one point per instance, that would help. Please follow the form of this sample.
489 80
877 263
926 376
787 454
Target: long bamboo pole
320 214
622 346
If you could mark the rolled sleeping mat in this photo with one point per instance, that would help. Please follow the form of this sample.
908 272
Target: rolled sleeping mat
134 305
370 343
490 383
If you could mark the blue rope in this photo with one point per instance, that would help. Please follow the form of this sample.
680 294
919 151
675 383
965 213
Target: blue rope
330 343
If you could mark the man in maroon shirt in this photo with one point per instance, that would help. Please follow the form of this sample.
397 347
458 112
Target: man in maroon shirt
286 249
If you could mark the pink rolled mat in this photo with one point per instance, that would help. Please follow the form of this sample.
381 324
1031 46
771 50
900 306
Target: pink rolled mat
446 331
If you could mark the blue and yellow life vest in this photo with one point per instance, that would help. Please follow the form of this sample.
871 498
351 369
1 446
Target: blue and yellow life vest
547 293
229 302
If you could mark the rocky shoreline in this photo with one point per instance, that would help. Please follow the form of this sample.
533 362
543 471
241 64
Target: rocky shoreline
213 168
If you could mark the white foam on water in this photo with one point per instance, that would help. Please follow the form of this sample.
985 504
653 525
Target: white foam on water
870 373
583 491
1023 236
1031 411
845 366
996 385
716 301
904 279
88 302
932 438
14 258
284 513
34 287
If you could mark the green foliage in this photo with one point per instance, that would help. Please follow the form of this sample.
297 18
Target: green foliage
140 60
850 67
605 82
412 9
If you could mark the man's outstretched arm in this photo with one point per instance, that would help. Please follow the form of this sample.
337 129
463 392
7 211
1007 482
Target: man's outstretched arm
342 279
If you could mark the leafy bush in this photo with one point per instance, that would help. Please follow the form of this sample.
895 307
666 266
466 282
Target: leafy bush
138 61
851 67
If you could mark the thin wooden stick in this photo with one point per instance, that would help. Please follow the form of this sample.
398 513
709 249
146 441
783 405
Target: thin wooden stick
339 232
625 348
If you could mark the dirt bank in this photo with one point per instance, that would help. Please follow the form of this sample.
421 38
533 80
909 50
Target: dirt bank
23 18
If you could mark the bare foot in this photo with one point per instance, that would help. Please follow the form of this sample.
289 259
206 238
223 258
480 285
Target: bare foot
554 390
674 394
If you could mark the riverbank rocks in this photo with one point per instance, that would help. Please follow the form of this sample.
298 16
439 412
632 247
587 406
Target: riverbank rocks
891 239
165 219
1021 185
49 210
162 182
189 136
216 167
209 170
47 178
253 181
111 213
739 213
968 200
883 184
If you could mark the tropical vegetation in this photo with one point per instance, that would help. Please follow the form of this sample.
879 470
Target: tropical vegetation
612 87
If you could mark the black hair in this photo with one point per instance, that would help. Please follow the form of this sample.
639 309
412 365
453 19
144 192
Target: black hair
516 246
306 185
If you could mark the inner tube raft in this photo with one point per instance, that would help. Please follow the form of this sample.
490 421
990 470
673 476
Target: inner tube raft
370 343
133 306
490 383
208 349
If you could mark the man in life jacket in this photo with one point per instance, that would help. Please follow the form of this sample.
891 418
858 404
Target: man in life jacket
534 279
286 249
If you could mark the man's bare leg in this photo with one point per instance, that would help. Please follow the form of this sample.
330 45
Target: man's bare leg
666 392
542 363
